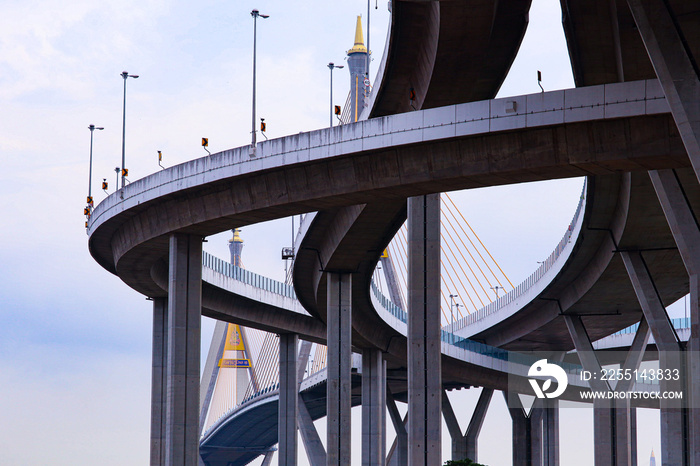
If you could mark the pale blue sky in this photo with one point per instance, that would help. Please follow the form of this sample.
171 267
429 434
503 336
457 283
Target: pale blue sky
75 340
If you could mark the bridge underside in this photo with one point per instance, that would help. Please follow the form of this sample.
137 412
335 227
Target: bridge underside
255 431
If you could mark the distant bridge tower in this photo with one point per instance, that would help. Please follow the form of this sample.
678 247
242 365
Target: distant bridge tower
235 245
652 459
357 63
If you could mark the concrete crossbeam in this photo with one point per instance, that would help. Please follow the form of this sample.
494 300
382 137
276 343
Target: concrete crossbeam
159 381
373 408
211 371
424 362
184 334
267 461
339 365
288 402
398 454
304 353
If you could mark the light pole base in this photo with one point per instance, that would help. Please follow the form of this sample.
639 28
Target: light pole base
251 151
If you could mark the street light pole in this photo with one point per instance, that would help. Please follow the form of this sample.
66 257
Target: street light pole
452 297
92 128
367 66
125 75
254 14
331 66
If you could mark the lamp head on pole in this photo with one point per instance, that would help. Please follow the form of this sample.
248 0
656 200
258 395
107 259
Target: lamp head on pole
125 74
256 13
93 127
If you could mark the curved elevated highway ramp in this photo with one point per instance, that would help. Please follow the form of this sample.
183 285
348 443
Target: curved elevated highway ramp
358 177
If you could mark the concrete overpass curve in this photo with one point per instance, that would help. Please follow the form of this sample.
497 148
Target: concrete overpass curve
381 158
447 52
467 145
614 131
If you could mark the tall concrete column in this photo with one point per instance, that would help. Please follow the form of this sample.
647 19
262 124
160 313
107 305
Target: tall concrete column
424 373
288 410
693 356
527 431
550 433
603 433
184 335
159 381
609 425
339 366
674 68
465 446
373 408
674 422
686 234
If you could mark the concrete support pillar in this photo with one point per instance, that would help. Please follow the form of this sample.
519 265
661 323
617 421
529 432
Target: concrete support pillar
674 68
654 311
339 366
315 452
398 455
603 433
693 357
465 446
674 422
472 435
686 234
527 431
459 441
373 408
550 433
159 381
288 403
424 373
184 334
613 429
267 461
